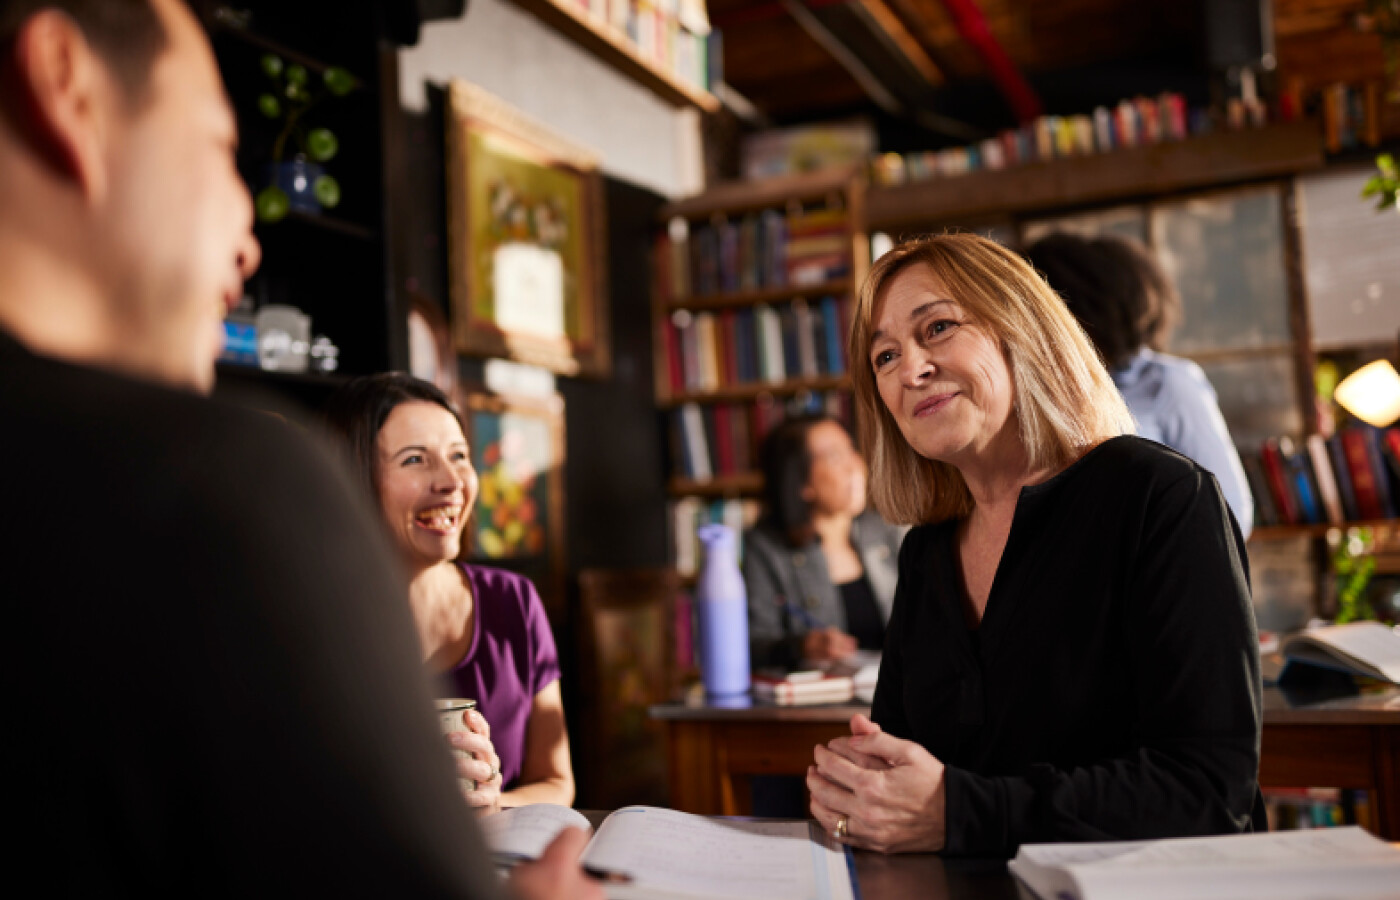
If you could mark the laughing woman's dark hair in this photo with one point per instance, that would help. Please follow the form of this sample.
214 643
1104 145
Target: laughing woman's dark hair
786 461
356 413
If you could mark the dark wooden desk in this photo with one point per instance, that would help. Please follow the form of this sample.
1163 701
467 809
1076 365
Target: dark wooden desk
922 876
1349 742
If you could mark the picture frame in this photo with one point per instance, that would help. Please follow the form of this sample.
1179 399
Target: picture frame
517 449
526 231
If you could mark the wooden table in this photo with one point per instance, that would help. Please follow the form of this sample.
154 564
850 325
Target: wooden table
1346 742
922 876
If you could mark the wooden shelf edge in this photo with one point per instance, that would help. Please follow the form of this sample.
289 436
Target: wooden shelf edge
1285 532
723 486
753 390
763 295
737 197
615 50
1212 160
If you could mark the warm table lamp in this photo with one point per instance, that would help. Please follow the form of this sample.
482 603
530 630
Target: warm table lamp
1372 393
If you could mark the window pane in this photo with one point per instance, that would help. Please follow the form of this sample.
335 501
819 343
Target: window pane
1352 257
1258 397
1225 252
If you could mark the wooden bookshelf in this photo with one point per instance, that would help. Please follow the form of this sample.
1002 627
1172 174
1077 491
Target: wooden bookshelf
753 390
747 484
1212 160
1285 532
739 197
766 295
617 51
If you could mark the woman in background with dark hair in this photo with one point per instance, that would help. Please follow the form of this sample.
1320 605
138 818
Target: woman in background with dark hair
1128 306
820 570
483 631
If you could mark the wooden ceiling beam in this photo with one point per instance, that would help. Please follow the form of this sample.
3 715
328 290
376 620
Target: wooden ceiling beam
890 23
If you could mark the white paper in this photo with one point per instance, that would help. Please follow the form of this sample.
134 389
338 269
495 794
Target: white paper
1370 642
524 832
528 286
1313 864
677 854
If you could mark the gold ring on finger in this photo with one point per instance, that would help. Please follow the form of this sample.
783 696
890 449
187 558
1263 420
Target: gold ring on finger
843 827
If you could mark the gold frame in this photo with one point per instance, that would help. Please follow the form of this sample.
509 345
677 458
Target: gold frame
472 110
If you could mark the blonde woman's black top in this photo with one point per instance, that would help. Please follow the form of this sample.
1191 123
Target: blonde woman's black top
1111 690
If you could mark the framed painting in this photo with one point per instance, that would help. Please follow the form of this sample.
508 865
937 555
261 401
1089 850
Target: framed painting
517 449
526 234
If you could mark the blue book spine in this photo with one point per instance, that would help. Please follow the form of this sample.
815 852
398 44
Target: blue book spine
792 361
1382 479
831 322
746 347
1307 492
1343 475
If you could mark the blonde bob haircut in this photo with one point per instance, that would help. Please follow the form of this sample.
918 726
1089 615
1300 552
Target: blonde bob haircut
1064 403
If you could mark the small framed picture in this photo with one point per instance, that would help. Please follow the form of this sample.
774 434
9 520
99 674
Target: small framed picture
526 235
517 449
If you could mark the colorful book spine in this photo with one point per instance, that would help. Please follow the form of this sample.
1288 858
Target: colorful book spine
1373 453
1265 512
1284 500
1326 481
1337 455
1363 479
1300 477
833 335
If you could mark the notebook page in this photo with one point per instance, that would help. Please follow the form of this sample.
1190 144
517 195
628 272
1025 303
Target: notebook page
524 832
673 853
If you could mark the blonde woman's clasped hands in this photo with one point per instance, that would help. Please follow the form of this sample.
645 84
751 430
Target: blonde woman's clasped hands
878 792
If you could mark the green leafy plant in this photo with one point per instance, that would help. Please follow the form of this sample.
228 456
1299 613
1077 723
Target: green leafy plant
294 94
1385 185
1354 567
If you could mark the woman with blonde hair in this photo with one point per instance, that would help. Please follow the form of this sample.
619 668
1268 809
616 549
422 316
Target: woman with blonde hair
1072 651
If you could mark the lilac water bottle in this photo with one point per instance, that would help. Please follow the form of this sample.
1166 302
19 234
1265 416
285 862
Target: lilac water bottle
722 604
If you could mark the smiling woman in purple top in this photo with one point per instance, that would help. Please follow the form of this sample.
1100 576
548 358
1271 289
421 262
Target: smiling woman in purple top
483 630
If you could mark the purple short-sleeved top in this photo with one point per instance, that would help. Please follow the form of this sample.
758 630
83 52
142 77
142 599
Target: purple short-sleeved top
511 659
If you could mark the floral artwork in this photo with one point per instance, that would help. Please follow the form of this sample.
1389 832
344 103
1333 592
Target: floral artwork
527 233
511 454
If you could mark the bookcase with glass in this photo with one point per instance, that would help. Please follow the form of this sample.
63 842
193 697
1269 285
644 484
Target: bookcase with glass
752 306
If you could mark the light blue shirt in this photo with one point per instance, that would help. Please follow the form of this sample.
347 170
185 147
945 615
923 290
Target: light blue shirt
1175 405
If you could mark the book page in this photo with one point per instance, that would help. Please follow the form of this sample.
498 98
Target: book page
671 853
1369 642
1319 863
524 832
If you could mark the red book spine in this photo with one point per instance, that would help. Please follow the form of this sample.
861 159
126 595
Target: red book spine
1363 479
675 370
1278 483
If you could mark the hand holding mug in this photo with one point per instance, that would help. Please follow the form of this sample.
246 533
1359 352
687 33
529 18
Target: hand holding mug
480 764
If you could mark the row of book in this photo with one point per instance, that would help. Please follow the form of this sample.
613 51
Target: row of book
1132 123
769 249
1291 809
673 35
1352 476
1351 115
688 514
723 439
707 351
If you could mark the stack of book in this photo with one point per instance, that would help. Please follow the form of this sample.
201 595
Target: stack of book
722 439
1352 476
706 351
757 251
803 688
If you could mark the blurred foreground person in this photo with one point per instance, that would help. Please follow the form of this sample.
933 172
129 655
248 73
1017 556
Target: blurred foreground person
1127 305
1072 653
205 691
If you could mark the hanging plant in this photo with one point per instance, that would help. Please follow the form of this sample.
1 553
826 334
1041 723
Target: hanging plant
294 93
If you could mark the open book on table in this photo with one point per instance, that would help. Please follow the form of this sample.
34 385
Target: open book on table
1359 648
1285 865
642 851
